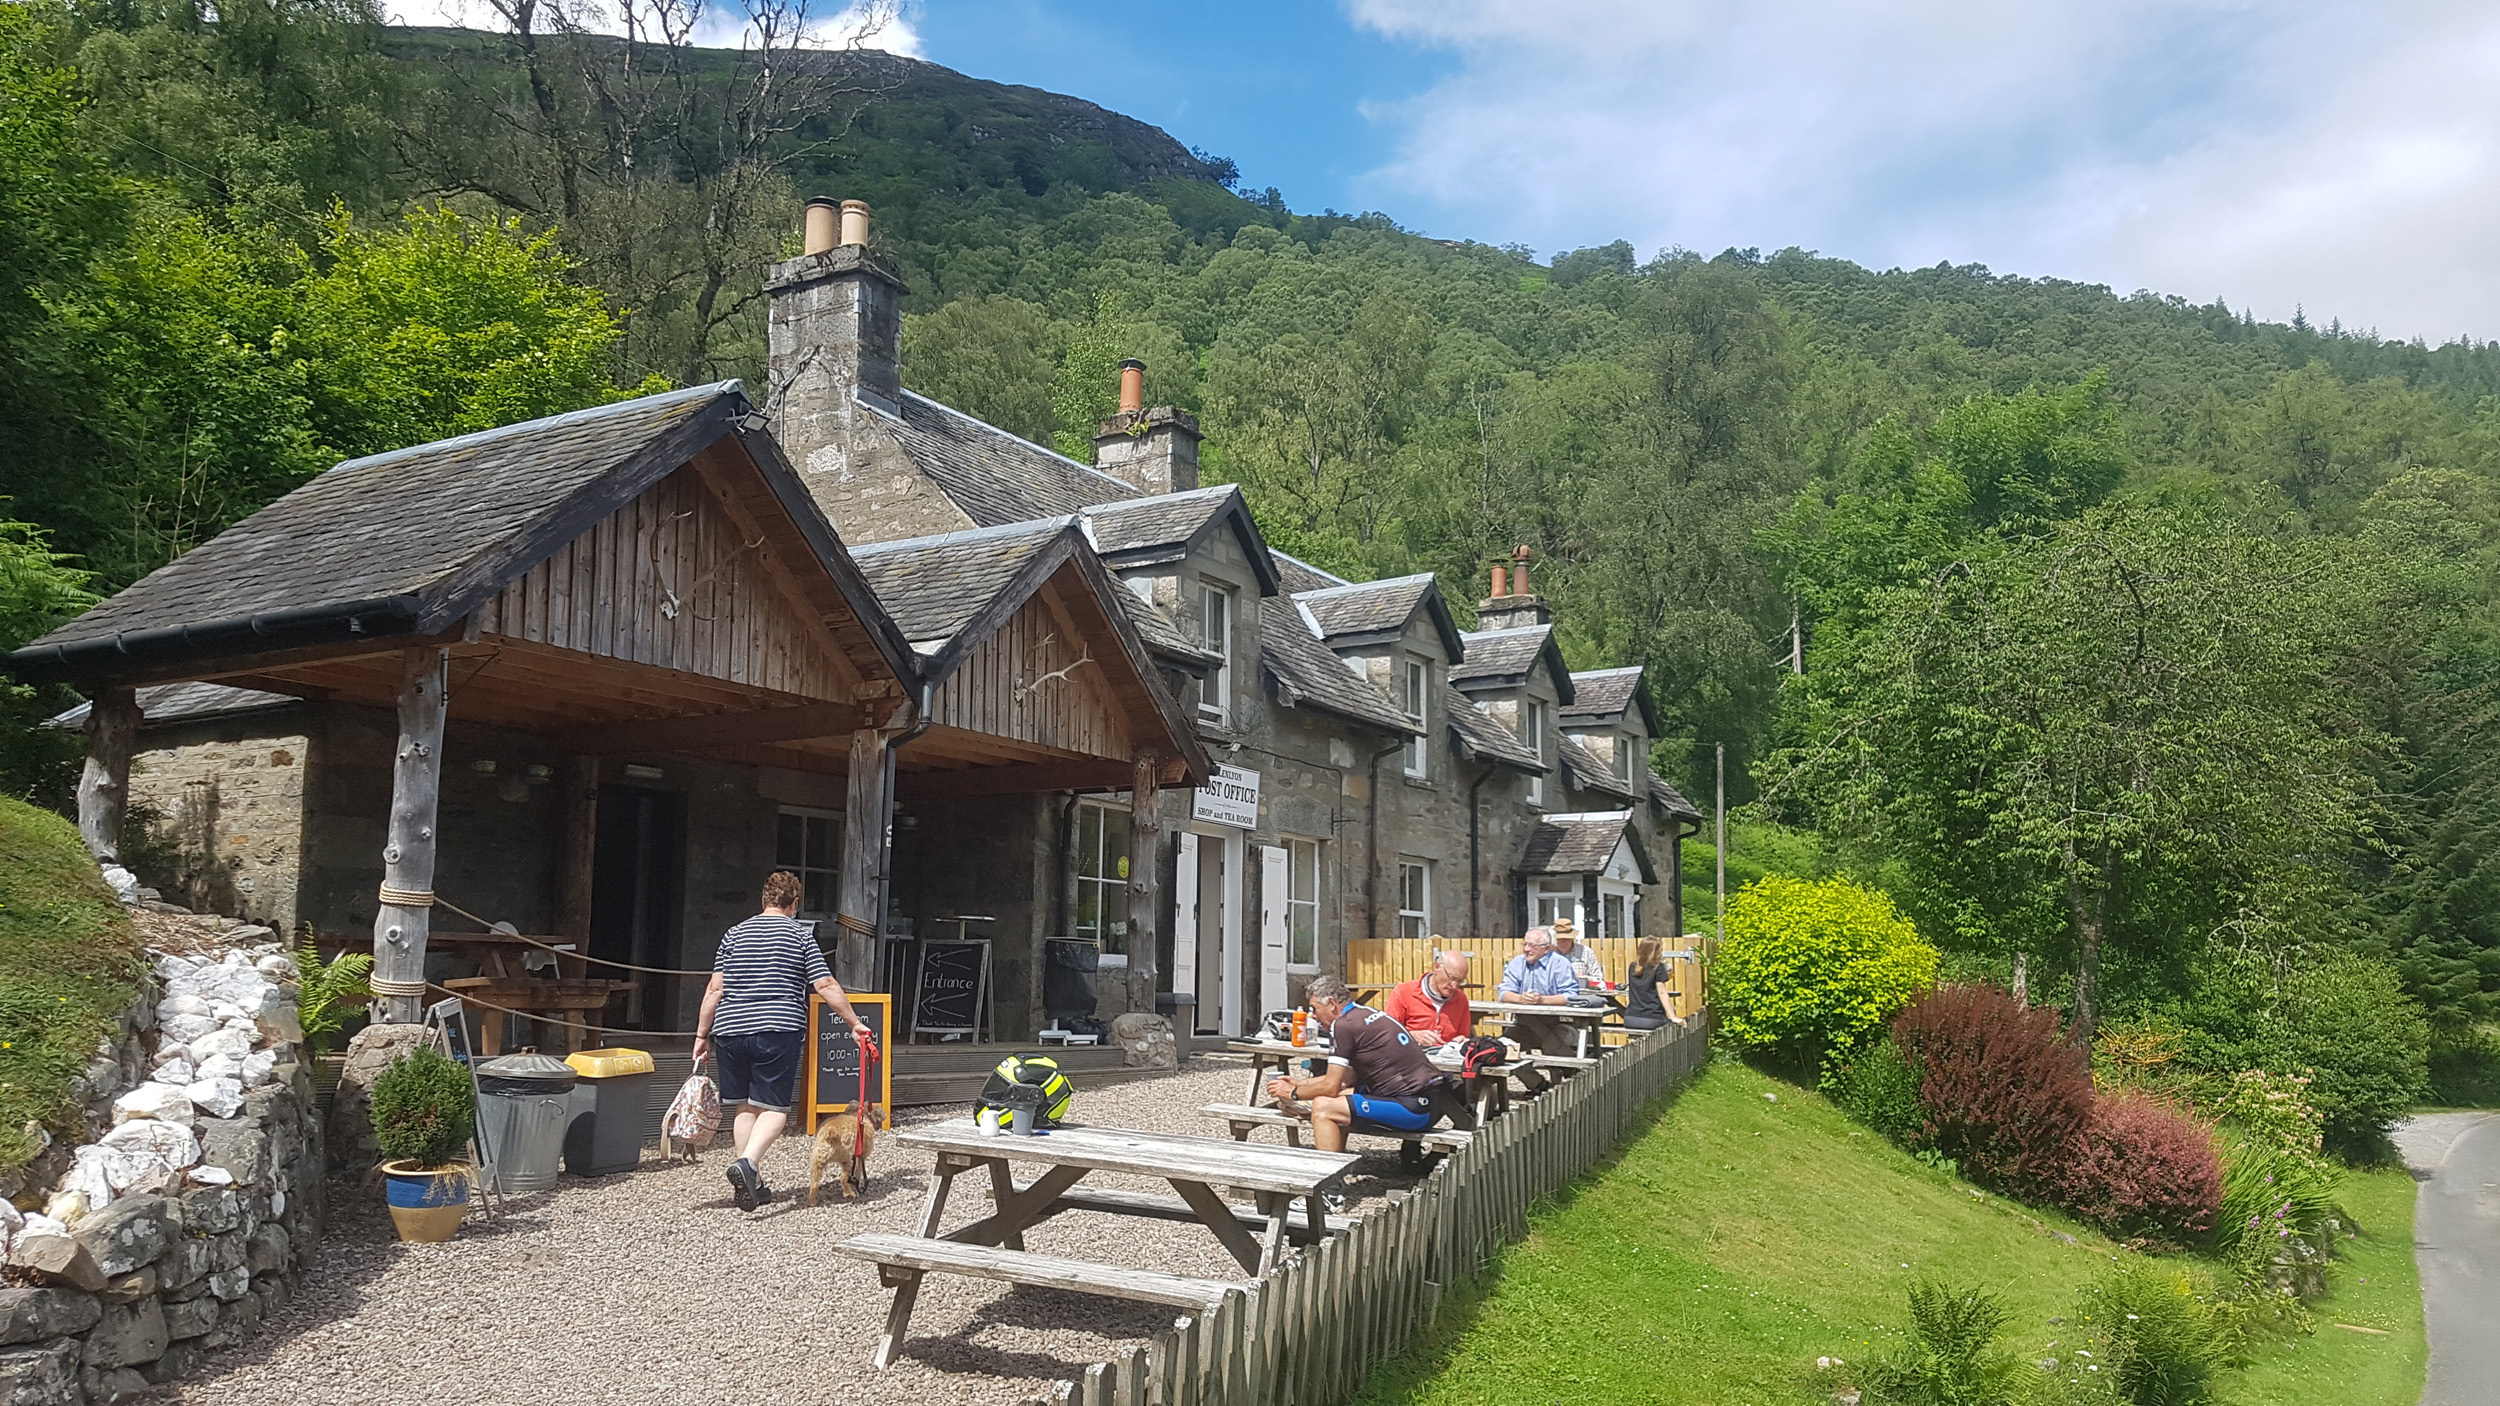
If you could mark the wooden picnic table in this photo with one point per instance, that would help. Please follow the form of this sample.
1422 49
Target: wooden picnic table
993 1246
1489 1094
548 1001
1584 1019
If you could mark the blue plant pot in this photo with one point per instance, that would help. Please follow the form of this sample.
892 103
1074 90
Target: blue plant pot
426 1204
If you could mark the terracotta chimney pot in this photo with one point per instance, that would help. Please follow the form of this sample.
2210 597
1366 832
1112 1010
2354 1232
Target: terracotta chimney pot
855 222
1501 581
1519 570
1132 386
823 215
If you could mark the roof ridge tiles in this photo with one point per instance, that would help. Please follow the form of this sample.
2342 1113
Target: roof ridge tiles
585 415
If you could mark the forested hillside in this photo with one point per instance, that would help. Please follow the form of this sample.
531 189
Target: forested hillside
2131 626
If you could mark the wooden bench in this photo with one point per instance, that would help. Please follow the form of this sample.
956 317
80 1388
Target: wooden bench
1242 1117
1152 1207
902 1259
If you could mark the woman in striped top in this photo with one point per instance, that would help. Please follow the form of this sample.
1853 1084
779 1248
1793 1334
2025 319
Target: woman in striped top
754 1022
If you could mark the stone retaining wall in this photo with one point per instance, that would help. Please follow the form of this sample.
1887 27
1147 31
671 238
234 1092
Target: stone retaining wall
105 1304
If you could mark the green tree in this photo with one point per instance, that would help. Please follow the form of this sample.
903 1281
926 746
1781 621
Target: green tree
2123 731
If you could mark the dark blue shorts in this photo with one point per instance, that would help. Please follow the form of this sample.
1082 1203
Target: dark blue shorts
760 1070
1399 1113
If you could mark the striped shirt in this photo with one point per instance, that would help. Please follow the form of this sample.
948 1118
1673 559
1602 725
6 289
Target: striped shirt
766 965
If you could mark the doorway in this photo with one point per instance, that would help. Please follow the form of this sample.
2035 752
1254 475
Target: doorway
1206 931
637 893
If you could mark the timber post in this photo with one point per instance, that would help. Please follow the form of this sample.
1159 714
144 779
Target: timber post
405 913
1145 902
868 812
104 783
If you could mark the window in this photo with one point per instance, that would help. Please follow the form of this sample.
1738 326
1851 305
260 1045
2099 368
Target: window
1102 860
1302 904
1414 898
1414 694
1555 899
810 846
1618 920
1532 732
1215 631
1623 757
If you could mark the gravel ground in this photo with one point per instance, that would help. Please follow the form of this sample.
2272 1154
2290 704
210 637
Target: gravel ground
652 1287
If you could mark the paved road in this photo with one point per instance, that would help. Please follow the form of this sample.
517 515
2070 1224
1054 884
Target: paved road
2456 1244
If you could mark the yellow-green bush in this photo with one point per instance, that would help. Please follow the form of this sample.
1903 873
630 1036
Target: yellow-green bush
1812 967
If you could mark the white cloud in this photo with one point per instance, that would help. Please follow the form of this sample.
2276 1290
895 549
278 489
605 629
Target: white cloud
2344 156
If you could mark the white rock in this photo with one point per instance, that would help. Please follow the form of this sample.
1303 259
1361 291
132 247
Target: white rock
66 1207
123 883
87 1177
232 1043
277 966
173 1006
183 1029
227 1013
277 1018
257 1067
164 1101
10 1223
218 1098
168 1140
209 1176
175 1071
173 966
277 1201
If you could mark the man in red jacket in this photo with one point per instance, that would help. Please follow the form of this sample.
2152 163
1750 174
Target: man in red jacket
1434 1005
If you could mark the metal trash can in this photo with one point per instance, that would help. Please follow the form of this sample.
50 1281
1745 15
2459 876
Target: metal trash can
610 1105
523 1102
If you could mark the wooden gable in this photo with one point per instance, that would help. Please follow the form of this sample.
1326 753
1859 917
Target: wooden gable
678 579
1042 680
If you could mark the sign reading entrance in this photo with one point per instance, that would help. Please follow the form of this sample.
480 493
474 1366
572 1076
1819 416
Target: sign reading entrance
1231 799
954 981
833 1073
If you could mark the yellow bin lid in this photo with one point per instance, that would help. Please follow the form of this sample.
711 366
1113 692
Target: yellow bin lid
608 1064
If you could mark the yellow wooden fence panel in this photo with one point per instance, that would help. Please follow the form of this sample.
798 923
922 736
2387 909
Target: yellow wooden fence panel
1378 963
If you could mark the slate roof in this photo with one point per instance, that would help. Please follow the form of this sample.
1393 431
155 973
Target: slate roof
995 477
1578 844
1344 615
1665 795
1307 675
408 542
1481 734
1134 532
1298 575
934 586
1506 657
181 702
1164 635
1603 694
1587 773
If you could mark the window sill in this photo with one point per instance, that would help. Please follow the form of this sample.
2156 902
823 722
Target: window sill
1420 783
1111 959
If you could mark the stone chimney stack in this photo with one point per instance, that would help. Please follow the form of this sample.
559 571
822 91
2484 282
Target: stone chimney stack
1155 451
835 325
1512 604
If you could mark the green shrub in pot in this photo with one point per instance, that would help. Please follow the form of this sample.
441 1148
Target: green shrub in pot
423 1109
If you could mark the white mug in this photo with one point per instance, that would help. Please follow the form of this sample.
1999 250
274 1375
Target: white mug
987 1121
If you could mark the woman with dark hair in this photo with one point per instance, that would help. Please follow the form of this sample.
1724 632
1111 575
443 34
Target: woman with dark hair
1647 1008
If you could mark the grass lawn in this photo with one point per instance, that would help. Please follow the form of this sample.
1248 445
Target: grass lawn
68 965
1740 1238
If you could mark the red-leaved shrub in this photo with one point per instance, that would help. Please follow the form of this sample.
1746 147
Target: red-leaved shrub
2142 1167
2000 1091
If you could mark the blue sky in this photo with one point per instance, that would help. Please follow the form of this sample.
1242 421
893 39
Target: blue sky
2342 156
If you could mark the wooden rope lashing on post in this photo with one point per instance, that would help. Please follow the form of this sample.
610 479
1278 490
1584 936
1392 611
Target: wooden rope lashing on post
858 925
407 898
384 986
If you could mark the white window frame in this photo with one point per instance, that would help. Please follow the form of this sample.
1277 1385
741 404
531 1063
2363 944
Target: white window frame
1415 698
1215 631
1554 897
830 872
1532 732
1414 897
1623 757
1113 945
1302 904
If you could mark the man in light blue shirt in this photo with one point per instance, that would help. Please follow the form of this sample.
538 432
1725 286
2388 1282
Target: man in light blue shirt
1539 976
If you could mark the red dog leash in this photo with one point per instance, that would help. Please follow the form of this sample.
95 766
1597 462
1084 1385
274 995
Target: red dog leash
859 1126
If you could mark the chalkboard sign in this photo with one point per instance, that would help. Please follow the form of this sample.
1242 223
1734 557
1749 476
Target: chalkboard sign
954 985
833 1075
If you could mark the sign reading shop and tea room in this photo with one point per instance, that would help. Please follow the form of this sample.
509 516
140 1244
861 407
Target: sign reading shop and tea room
1232 798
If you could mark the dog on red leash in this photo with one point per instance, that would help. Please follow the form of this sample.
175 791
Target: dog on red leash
843 1143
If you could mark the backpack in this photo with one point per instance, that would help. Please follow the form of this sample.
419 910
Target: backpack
1028 1081
1476 1052
693 1116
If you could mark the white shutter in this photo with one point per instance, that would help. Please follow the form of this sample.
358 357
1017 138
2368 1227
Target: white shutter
1275 883
1185 920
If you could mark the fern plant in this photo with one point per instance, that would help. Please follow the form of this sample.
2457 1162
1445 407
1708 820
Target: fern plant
328 990
1951 1358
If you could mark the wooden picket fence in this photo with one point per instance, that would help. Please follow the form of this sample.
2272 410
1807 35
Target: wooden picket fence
1305 1334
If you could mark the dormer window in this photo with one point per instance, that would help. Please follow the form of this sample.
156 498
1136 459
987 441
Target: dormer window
1215 631
1532 735
1623 759
1415 696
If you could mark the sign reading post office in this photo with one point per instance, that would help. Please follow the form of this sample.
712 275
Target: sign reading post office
1231 799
